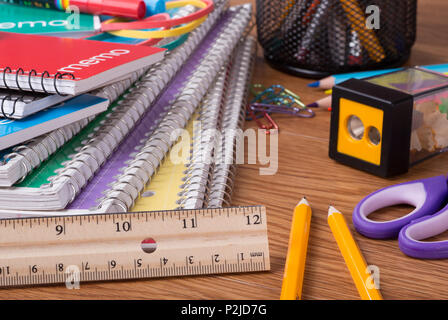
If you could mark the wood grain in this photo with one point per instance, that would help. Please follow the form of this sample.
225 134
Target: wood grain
305 169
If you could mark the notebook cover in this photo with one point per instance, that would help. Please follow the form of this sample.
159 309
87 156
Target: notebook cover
28 20
10 129
81 58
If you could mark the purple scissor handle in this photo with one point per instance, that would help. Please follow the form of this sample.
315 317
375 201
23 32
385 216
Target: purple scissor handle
427 196
409 239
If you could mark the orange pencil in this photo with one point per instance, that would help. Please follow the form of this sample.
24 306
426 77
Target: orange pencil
295 260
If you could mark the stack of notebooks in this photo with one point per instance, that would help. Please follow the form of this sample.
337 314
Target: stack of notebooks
44 81
155 147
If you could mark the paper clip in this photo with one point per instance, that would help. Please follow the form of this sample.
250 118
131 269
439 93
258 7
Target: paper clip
276 94
296 98
268 95
271 124
269 108
275 99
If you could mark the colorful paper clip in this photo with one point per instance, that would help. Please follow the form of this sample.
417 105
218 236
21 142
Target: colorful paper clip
275 99
294 111
271 124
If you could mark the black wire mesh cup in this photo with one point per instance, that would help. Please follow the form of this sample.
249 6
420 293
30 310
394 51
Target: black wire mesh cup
316 38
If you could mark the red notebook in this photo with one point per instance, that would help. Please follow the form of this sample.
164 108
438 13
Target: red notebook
67 66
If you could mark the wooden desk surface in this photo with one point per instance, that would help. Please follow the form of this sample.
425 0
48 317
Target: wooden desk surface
304 169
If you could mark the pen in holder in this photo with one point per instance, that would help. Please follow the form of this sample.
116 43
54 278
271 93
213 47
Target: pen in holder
316 38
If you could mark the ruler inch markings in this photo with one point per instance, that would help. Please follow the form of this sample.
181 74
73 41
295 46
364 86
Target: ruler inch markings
91 243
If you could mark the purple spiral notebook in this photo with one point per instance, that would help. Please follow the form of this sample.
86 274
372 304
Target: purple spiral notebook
100 183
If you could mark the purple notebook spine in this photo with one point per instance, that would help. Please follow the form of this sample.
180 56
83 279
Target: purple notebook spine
94 191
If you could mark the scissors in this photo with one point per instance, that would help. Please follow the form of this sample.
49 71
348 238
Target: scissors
429 218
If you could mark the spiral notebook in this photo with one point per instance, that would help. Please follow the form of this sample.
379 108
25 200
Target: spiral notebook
57 183
67 66
13 132
19 161
234 115
14 105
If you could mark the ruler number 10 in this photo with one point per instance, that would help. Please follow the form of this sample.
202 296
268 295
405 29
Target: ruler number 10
124 226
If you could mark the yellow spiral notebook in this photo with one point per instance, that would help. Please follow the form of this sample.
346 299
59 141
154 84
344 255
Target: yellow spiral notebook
162 193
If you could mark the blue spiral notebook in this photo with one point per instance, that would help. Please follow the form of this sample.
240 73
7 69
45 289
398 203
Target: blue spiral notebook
13 132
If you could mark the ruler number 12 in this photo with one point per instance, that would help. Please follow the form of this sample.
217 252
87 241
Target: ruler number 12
254 219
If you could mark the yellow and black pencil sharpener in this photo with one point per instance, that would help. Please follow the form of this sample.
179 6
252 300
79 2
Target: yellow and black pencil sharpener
385 124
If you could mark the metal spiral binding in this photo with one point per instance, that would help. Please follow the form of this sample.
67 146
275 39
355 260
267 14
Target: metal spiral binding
9 97
121 196
118 124
196 182
223 177
45 76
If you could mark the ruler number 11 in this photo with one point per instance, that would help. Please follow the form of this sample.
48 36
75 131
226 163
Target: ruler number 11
189 223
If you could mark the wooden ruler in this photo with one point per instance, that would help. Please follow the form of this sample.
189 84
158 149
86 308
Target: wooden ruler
70 249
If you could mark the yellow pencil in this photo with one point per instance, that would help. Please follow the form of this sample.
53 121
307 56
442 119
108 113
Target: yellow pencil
352 256
295 260
367 36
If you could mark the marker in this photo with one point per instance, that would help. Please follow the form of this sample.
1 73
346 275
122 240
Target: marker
135 9
353 257
154 7
295 260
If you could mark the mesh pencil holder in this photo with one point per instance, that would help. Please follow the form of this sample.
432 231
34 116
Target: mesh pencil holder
316 38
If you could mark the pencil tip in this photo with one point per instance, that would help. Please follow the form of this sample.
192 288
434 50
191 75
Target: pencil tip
314 84
313 105
332 210
303 201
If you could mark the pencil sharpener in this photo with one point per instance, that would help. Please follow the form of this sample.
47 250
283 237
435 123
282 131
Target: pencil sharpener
386 124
